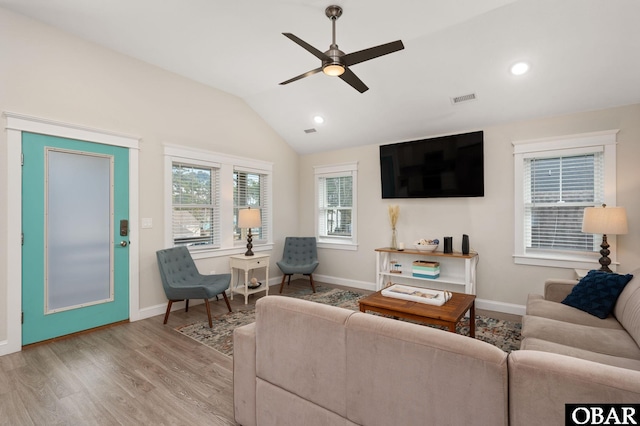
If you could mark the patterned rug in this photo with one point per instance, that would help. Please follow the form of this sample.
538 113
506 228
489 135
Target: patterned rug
503 334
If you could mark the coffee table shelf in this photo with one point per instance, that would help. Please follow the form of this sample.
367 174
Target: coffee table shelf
456 269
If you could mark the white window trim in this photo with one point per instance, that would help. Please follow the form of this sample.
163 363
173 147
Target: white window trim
226 164
604 140
338 243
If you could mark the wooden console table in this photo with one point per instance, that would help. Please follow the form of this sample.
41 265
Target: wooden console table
455 268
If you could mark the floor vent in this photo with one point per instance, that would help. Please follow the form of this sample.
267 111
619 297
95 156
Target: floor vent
464 98
310 131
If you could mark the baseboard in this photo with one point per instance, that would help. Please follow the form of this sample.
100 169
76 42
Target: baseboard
160 309
489 305
362 285
507 308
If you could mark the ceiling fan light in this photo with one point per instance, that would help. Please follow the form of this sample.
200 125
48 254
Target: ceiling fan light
333 70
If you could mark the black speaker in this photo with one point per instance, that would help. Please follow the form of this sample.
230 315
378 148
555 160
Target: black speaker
448 244
465 244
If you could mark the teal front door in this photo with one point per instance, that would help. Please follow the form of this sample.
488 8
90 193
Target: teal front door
75 252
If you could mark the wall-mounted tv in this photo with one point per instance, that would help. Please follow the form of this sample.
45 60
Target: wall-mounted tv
446 166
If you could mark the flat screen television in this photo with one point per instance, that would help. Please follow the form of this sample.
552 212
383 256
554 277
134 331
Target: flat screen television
446 166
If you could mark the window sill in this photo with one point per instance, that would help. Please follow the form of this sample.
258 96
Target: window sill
337 246
230 251
556 261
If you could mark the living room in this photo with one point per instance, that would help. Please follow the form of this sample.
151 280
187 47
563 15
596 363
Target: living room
53 77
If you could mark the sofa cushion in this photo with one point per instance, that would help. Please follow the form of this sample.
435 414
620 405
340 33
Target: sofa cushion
277 407
540 384
540 307
597 292
596 339
301 347
401 373
534 344
627 309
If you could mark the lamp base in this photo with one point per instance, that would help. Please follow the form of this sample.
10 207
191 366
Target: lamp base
604 260
249 245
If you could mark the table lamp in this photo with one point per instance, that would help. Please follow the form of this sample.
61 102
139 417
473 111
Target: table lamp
249 218
605 220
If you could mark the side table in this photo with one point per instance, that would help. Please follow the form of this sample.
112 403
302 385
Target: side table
247 263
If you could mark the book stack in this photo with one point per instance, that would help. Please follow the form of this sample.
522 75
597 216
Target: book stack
426 269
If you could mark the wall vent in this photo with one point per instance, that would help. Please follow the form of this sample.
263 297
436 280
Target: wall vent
464 98
310 131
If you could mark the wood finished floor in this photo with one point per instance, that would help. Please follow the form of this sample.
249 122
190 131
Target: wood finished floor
139 373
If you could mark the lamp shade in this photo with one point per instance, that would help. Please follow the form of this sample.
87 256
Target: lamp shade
249 218
605 220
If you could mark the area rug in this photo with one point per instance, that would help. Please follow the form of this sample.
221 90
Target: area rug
503 334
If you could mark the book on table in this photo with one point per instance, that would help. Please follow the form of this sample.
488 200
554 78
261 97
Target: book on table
425 269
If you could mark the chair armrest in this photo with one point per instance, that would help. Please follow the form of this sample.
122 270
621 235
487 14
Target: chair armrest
541 383
244 374
557 289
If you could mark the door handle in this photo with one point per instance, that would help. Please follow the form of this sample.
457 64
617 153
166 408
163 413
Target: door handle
123 243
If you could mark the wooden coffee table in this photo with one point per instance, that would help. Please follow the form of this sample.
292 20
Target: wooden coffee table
447 315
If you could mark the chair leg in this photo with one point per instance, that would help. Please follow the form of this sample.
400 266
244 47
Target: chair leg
226 299
206 303
282 283
166 315
313 286
186 308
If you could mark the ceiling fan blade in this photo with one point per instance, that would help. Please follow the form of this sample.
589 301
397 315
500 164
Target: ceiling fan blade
306 74
372 52
315 52
350 78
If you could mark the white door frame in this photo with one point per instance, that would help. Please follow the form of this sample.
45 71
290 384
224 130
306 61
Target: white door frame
16 124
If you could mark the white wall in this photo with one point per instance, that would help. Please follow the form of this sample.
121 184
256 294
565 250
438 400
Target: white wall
48 74
488 221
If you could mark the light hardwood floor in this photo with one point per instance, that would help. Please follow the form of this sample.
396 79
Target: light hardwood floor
140 373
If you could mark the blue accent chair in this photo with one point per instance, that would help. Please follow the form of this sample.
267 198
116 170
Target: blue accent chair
182 281
300 257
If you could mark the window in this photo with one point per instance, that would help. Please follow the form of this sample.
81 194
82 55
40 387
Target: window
336 203
195 204
555 180
204 191
250 190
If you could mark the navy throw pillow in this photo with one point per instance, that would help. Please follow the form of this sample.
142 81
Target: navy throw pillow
597 292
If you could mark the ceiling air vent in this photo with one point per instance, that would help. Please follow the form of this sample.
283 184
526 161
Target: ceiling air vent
463 98
310 131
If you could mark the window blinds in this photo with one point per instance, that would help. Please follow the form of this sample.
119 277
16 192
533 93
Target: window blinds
195 200
250 190
557 189
335 205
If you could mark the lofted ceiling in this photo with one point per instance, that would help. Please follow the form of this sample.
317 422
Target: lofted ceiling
584 55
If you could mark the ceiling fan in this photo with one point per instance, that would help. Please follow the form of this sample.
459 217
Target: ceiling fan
335 62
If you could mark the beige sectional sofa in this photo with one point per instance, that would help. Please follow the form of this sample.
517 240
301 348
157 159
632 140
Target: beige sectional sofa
572 356
303 363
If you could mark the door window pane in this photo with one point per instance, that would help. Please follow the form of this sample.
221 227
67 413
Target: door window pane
78 230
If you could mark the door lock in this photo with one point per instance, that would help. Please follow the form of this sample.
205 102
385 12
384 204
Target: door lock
124 228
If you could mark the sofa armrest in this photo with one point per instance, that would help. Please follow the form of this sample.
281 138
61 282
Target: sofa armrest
557 289
244 374
541 383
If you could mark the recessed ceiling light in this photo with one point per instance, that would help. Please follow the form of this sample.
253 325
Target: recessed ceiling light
318 119
520 68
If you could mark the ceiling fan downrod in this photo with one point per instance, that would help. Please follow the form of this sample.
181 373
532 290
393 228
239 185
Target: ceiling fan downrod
333 67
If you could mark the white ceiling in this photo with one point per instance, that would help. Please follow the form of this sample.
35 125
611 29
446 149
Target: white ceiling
584 55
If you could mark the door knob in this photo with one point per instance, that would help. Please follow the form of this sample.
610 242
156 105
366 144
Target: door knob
123 243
